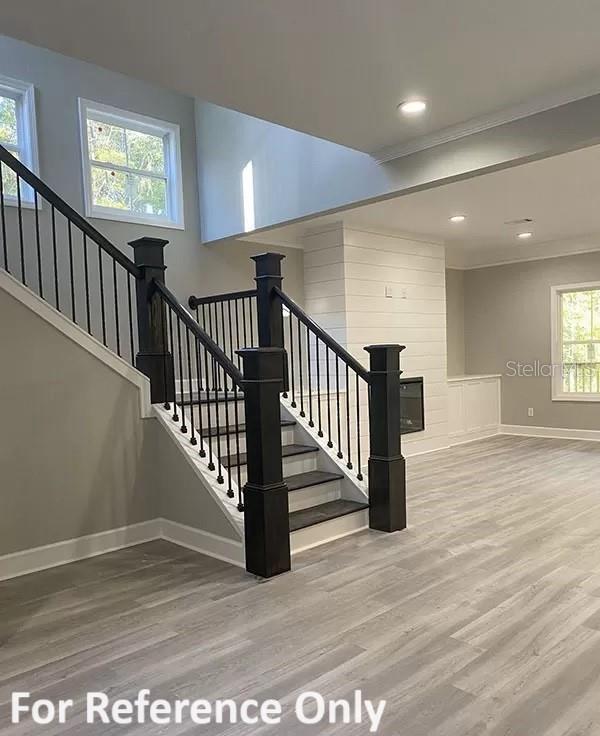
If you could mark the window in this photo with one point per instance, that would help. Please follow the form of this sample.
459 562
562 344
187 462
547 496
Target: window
17 134
131 166
576 342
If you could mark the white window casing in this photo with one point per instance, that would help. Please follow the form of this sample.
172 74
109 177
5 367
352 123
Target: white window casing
25 148
566 386
171 175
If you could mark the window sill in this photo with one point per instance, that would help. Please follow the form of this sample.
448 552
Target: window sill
134 219
589 398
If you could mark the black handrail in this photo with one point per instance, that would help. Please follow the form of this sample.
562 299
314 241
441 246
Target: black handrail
196 301
326 339
72 215
216 352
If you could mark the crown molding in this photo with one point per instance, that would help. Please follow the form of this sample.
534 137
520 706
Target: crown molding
492 120
467 260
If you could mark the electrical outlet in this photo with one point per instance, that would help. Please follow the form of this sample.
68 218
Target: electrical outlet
389 292
530 412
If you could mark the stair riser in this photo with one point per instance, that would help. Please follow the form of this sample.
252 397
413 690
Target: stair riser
313 536
304 498
287 436
291 465
223 413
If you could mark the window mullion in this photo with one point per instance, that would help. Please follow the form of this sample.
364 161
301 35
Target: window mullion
127 170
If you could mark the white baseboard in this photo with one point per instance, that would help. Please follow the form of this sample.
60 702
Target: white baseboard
228 550
71 550
480 434
559 433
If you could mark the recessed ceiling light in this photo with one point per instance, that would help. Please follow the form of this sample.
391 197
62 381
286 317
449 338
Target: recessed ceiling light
458 218
524 236
412 107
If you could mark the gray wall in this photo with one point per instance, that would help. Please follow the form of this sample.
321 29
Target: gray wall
59 81
507 318
297 175
75 456
73 453
455 322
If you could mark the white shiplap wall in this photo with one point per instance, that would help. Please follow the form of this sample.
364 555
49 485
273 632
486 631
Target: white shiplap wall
346 275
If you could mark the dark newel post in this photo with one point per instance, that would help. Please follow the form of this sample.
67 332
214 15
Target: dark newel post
266 512
269 306
387 476
153 357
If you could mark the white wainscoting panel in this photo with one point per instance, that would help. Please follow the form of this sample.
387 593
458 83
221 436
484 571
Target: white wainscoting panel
473 407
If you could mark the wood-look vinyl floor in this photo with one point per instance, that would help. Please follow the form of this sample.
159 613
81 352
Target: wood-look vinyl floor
482 618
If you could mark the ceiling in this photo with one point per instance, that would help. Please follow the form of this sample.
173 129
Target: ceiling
561 194
332 68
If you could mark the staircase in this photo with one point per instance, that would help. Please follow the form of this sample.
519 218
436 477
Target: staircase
277 417
324 504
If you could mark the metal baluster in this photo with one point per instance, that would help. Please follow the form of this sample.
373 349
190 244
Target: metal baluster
320 432
183 424
230 492
293 404
310 401
211 464
237 331
359 466
55 258
175 416
204 317
237 446
231 353
199 382
337 392
251 321
71 275
3 219
300 369
244 322
36 208
218 422
129 309
21 241
116 295
193 440
224 346
329 442
102 307
165 341
87 284
284 394
349 463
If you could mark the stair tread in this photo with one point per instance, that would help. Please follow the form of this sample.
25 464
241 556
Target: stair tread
242 428
286 451
310 478
324 512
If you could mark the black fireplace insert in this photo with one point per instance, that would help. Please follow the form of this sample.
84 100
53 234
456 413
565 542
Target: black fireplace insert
412 406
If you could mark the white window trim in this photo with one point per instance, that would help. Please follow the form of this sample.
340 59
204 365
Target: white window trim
24 94
143 124
557 393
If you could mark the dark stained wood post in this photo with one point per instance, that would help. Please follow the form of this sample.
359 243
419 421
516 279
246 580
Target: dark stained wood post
153 358
266 511
387 473
269 306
